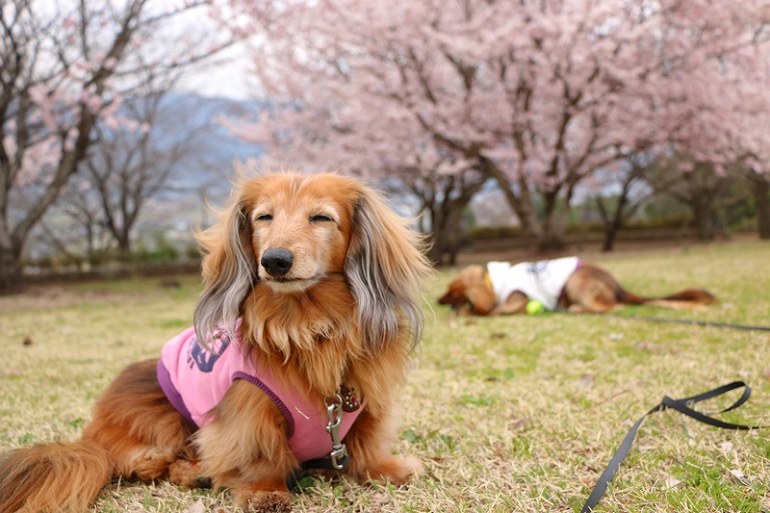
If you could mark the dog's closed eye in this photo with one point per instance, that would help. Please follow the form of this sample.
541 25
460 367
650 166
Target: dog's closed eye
321 218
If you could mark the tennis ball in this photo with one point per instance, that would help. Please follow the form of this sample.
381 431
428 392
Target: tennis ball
535 307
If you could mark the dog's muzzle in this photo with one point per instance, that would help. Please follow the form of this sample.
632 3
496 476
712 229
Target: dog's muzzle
277 261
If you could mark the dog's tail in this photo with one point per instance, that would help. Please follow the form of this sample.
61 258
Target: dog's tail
687 298
61 477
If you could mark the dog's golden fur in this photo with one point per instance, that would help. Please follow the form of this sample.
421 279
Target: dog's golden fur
346 311
589 289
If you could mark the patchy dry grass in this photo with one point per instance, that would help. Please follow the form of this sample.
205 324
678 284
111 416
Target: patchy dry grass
508 414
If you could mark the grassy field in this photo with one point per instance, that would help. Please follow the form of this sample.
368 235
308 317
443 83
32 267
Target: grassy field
517 414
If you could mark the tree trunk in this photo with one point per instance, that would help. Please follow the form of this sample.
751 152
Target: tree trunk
444 247
549 233
447 234
90 246
124 245
11 276
611 225
444 200
610 236
554 223
761 189
624 209
704 219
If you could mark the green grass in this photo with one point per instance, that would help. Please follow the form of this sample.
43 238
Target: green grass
508 414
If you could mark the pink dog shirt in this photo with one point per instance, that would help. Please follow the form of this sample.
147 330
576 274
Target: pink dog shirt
195 380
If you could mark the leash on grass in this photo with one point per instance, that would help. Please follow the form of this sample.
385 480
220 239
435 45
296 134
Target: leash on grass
683 406
692 322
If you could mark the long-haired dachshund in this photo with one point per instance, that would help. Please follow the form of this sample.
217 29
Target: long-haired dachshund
301 339
502 288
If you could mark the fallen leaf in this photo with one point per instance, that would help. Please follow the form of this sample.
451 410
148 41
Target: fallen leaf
726 447
586 381
198 507
740 476
672 483
518 424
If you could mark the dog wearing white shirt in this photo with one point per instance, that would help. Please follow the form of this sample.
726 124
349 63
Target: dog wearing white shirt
563 283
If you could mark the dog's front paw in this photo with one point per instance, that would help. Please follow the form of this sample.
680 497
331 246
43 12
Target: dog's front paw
188 474
259 501
397 470
465 309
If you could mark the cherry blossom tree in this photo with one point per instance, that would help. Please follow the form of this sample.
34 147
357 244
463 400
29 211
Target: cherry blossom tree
65 66
699 188
127 167
619 195
538 94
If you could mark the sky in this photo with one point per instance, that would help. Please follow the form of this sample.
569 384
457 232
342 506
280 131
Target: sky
227 77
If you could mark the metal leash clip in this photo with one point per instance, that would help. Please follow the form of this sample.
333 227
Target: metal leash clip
339 454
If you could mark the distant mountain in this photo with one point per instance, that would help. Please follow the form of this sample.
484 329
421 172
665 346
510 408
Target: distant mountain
217 148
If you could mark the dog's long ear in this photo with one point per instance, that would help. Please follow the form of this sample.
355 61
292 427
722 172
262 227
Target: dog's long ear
385 266
481 297
229 269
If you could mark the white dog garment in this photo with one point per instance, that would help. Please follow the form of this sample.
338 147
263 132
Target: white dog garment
543 280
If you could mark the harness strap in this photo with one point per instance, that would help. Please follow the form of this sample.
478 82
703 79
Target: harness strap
683 406
338 458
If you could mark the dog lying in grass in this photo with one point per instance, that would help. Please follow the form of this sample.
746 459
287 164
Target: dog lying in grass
565 283
301 340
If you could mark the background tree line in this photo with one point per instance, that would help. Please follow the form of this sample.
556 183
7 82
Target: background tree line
548 101
541 98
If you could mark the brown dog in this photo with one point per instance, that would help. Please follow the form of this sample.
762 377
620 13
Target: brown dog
314 283
502 288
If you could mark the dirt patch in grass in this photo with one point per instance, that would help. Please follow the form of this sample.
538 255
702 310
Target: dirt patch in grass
62 295
38 297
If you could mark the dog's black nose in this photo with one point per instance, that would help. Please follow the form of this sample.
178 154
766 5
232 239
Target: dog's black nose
277 261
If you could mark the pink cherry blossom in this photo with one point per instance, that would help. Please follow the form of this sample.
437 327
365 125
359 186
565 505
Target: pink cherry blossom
540 95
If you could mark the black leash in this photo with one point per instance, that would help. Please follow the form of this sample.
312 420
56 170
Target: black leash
683 406
691 322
